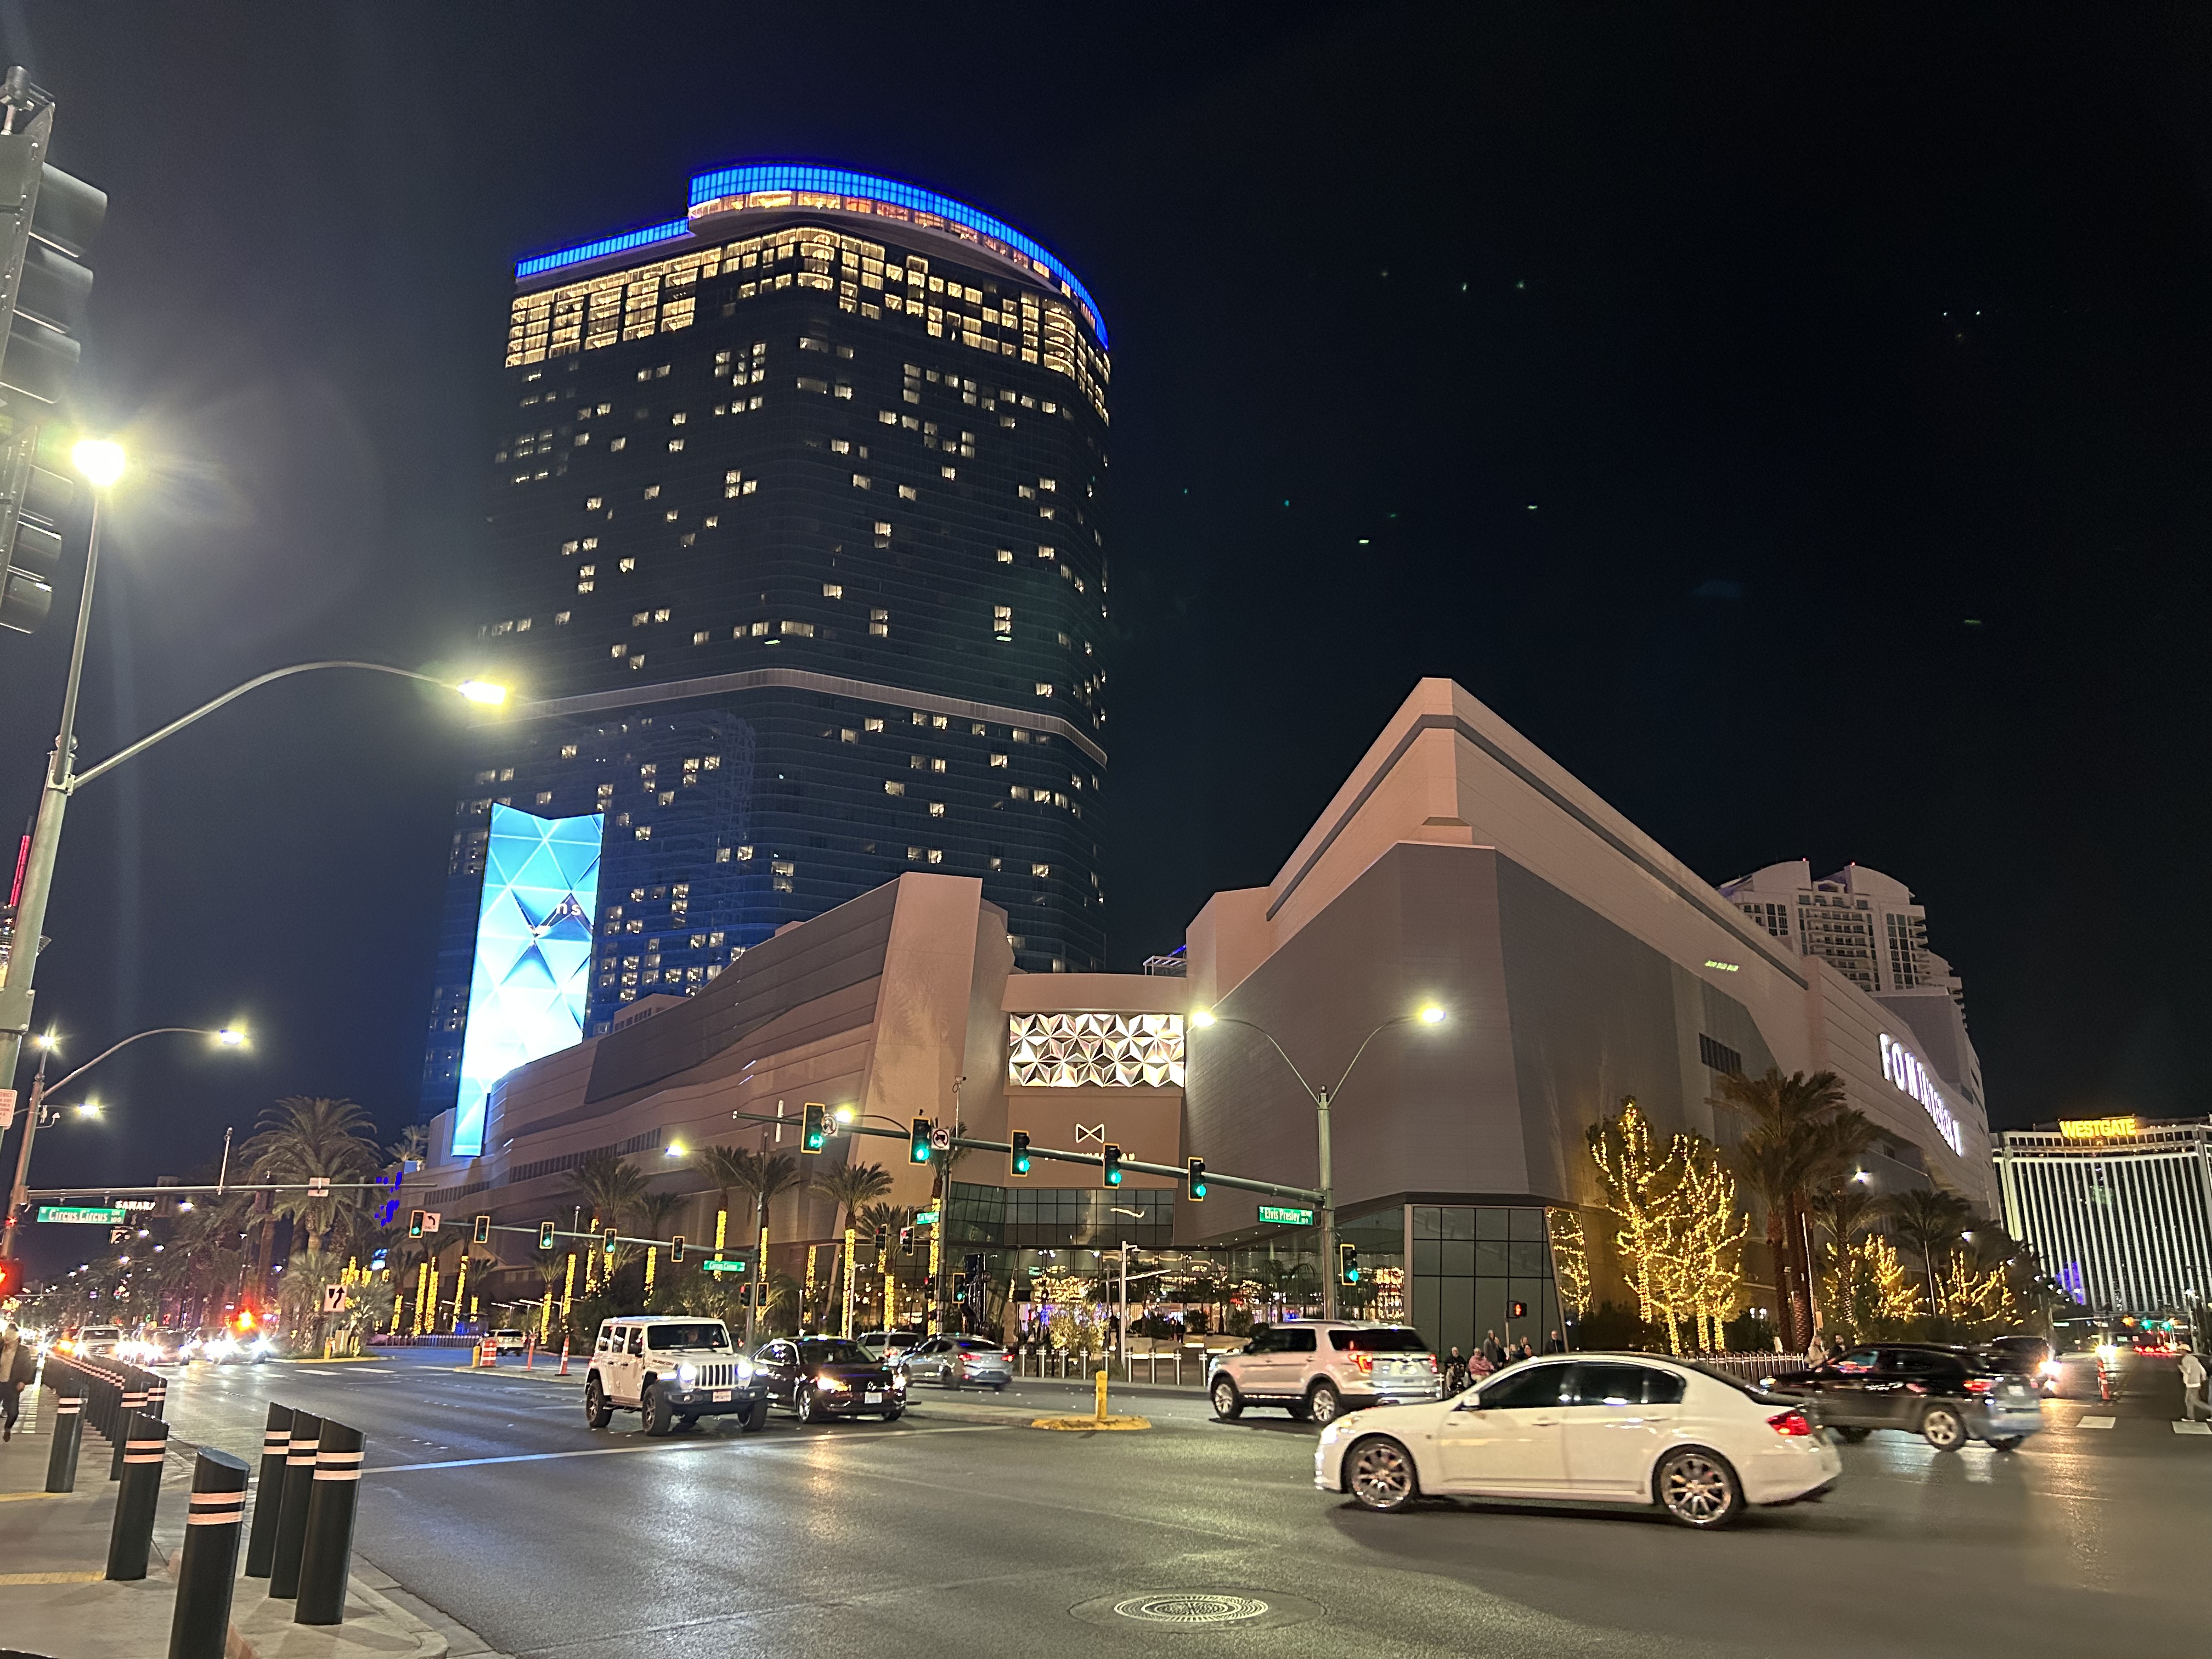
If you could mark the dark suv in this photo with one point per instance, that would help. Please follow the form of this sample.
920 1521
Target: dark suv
1946 1395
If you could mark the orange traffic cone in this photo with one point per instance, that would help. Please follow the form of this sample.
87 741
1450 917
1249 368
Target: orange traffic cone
563 1371
530 1350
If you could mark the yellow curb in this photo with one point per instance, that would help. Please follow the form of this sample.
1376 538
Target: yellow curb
29 1496
10 1578
1077 1424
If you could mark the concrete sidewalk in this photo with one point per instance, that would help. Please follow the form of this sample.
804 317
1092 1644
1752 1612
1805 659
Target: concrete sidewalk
55 1602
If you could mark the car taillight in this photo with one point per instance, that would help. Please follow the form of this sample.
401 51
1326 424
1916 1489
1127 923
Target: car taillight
1791 1422
1980 1384
1365 1362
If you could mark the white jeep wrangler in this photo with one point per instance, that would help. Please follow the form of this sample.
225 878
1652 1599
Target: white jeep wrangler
671 1369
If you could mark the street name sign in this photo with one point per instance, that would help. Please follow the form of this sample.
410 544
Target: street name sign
723 1265
926 1219
1288 1216
90 1215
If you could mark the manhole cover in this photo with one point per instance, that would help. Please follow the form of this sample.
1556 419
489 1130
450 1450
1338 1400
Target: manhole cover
1187 1609
1199 1609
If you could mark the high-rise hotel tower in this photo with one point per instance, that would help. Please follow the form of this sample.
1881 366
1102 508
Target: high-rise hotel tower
795 564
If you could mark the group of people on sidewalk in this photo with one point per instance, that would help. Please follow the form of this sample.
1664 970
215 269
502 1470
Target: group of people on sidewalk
1490 1355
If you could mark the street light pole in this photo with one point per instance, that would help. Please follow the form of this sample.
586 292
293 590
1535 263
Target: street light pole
1428 1015
19 1193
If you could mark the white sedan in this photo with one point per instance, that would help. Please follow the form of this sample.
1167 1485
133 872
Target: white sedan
1624 1428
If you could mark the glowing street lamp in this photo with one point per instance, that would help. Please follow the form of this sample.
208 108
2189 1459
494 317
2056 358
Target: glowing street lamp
99 459
1429 1014
482 692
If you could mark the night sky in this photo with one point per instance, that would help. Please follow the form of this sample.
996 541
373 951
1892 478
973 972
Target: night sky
1797 427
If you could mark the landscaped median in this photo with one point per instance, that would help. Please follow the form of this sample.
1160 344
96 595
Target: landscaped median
1100 1417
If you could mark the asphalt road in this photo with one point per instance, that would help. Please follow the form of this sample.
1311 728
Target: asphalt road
961 1530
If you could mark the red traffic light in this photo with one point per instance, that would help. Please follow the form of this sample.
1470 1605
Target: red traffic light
11 1277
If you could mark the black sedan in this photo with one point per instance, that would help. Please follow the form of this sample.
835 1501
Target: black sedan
823 1376
1946 1395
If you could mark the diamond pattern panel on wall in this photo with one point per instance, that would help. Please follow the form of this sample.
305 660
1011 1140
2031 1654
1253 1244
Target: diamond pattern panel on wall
1073 1051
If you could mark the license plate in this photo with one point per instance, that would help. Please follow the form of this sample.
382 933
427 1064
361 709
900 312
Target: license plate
722 1396
875 1397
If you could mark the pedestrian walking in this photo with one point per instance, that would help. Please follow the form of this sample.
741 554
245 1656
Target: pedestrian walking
18 1365
2194 1396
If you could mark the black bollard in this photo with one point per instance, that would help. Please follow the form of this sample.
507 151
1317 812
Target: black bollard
326 1559
132 1402
61 1456
205 1572
269 1492
292 1511
157 1395
145 1444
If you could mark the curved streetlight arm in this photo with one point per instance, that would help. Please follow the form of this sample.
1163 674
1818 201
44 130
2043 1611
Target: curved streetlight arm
79 779
1224 1019
52 1089
1344 1076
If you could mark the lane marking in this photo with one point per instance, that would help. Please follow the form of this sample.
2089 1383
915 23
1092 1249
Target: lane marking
2096 1422
662 1446
2192 1428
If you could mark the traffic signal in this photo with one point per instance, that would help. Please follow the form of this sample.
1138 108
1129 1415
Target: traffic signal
906 1241
960 1287
676 1249
607 1241
1110 1166
415 1224
816 1130
481 1234
1516 1310
883 1244
47 224
1018 1161
918 1149
545 1231
11 1277
1193 1186
1348 1264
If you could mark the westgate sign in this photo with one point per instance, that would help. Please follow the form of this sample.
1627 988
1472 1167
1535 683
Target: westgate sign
1903 1068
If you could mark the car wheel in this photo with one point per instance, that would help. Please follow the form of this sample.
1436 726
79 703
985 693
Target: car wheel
1380 1473
756 1420
1697 1488
1943 1429
894 1413
653 1406
2006 1443
687 1422
944 1378
1853 1434
598 1414
810 1410
998 1388
1322 1405
1228 1404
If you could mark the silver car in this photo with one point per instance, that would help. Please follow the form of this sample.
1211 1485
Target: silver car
954 1361
1317 1368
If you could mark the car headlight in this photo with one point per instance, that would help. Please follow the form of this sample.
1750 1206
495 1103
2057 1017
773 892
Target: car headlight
745 1371
898 1380
1330 1435
686 1374
830 1385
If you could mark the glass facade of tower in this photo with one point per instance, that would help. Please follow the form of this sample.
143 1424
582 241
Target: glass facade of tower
795 557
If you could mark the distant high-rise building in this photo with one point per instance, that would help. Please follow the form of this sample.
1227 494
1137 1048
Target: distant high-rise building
1865 926
795 563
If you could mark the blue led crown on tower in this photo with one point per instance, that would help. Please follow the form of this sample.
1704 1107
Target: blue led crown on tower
528 992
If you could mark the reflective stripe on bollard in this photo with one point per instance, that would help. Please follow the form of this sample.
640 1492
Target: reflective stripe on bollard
133 1402
200 1625
143 1445
292 1513
269 1493
61 1457
326 1559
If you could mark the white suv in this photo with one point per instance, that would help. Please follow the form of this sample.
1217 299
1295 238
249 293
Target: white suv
670 1369
1319 1369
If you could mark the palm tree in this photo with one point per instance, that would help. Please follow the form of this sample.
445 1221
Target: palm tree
852 1186
610 1187
1802 1138
1930 1220
764 1175
725 1166
307 1138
